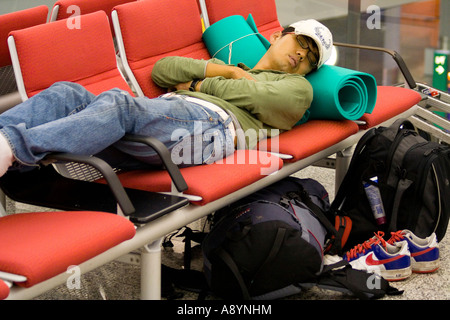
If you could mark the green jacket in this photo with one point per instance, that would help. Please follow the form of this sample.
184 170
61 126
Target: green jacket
276 100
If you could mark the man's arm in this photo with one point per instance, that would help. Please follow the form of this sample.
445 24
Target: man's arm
178 72
279 102
226 71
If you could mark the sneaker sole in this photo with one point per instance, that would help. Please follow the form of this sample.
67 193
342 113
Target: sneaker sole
425 266
396 275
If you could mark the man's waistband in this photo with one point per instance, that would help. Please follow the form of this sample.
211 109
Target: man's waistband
211 106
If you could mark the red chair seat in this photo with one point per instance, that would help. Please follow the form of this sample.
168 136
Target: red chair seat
316 135
210 182
42 245
309 138
391 101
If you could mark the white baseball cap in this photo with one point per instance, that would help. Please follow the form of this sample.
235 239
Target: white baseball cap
319 33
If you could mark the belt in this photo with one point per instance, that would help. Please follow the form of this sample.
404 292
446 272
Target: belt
211 106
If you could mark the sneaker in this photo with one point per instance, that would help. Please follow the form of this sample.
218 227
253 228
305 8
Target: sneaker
424 251
392 262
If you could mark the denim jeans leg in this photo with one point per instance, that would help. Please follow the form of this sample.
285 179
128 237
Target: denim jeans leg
86 124
58 101
193 134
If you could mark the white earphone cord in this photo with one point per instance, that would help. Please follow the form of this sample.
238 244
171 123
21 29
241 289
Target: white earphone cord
231 46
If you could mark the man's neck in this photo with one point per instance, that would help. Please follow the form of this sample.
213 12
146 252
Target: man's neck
263 64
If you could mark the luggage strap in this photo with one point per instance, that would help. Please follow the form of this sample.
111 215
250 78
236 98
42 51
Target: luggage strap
228 260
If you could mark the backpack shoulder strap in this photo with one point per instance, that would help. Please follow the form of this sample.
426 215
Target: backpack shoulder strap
349 177
318 212
229 262
337 234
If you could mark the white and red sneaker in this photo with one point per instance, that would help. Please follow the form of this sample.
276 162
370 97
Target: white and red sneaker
424 251
392 262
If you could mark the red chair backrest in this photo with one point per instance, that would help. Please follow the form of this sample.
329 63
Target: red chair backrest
153 29
54 52
264 13
63 9
15 21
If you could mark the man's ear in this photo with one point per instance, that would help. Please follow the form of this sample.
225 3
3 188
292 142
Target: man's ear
275 36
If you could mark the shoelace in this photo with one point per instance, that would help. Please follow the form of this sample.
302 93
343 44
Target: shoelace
396 236
361 248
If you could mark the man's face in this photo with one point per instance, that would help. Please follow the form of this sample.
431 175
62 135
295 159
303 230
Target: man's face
286 54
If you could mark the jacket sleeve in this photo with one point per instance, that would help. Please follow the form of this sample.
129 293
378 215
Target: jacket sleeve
279 103
170 71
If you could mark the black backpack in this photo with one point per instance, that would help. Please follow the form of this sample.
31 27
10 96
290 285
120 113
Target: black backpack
271 244
412 176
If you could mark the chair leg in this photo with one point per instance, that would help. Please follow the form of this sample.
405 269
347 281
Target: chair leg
151 271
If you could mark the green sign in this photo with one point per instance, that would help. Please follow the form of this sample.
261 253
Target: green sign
441 69
441 75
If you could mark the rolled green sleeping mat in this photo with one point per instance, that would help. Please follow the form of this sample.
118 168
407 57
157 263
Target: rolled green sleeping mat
341 93
234 40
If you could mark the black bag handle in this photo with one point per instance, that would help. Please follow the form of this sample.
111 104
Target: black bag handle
399 125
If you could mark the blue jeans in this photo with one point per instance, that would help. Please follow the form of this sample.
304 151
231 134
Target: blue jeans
68 118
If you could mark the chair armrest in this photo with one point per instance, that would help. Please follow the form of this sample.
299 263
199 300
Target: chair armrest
395 55
107 172
164 154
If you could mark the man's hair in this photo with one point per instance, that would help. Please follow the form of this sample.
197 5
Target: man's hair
286 30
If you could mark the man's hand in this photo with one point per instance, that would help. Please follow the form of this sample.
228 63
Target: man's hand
181 86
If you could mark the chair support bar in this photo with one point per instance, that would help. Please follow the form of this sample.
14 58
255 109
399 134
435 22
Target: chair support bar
395 55
164 154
